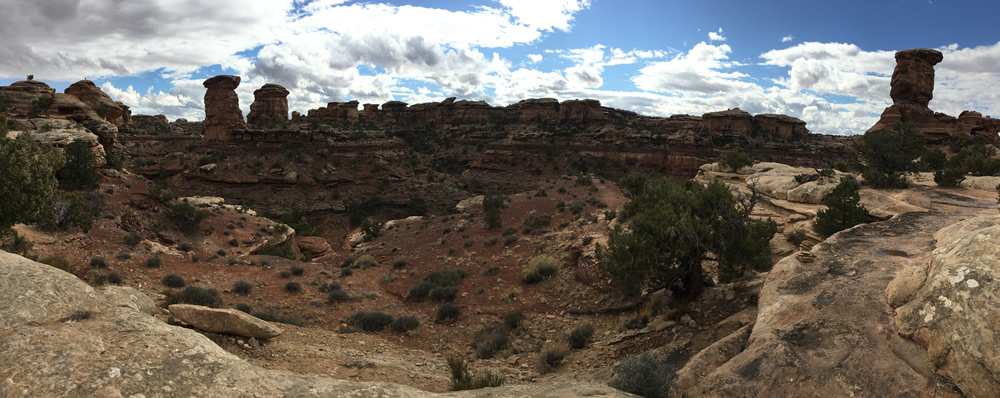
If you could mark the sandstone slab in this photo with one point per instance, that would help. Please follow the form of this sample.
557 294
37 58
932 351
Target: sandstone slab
227 321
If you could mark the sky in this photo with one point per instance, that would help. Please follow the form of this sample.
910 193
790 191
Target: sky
826 62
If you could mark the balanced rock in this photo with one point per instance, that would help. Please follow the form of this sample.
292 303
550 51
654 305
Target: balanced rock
913 78
952 310
222 108
227 321
270 105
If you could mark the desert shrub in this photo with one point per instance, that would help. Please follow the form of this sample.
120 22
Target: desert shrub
280 318
492 204
632 183
78 172
270 249
489 340
285 274
577 206
27 174
491 271
99 279
644 375
39 105
16 244
580 336
509 231
491 242
843 209
186 217
539 268
949 177
370 321
98 262
405 324
298 271
132 239
447 277
796 237
173 281
448 311
420 291
57 262
65 210
345 272
443 293
247 308
293 287
184 247
337 295
537 221
234 243
468 242
462 379
154 262
399 263
347 262
242 287
124 256
510 240
551 356
512 320
364 262
201 296
736 159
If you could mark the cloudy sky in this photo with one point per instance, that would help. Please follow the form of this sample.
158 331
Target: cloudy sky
826 62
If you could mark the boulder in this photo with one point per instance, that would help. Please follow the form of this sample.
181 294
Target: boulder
222 108
953 311
105 107
227 321
20 95
314 244
270 106
913 79
812 191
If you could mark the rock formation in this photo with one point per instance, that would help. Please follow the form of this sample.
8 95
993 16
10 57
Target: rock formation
20 95
84 108
86 91
228 321
912 88
222 108
270 106
949 305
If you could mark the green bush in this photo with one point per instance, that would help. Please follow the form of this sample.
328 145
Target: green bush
337 294
293 287
447 277
242 287
186 217
16 244
492 204
443 293
132 239
57 262
298 271
510 240
420 291
370 321
270 249
889 156
539 268
536 221
173 281
489 340
154 262
448 311
364 262
843 209
66 210
234 242
78 172
244 307
98 262
580 336
27 180
201 296
405 324
949 177
509 231
736 159
39 105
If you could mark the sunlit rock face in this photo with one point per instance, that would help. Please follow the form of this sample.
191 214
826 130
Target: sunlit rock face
222 108
270 105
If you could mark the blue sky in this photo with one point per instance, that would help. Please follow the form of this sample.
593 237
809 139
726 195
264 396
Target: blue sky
825 62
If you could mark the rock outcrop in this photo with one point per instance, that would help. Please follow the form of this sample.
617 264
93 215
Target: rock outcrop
912 88
227 321
20 95
61 338
106 108
270 106
949 305
222 108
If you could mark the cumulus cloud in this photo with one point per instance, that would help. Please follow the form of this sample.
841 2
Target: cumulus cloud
700 70
716 36
787 39
535 58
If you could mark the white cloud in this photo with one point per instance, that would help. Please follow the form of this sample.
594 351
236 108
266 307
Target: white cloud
787 39
701 70
545 15
835 68
716 36
535 58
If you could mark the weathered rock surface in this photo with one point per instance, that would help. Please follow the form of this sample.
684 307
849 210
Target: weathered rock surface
269 107
222 108
824 326
912 87
226 321
106 108
130 297
60 338
314 244
951 305
19 96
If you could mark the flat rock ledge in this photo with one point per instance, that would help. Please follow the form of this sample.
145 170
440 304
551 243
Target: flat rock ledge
226 321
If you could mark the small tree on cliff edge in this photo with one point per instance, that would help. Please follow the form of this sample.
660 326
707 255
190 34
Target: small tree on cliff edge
673 227
843 209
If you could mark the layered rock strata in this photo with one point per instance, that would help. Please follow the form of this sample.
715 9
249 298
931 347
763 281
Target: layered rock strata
222 108
270 106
